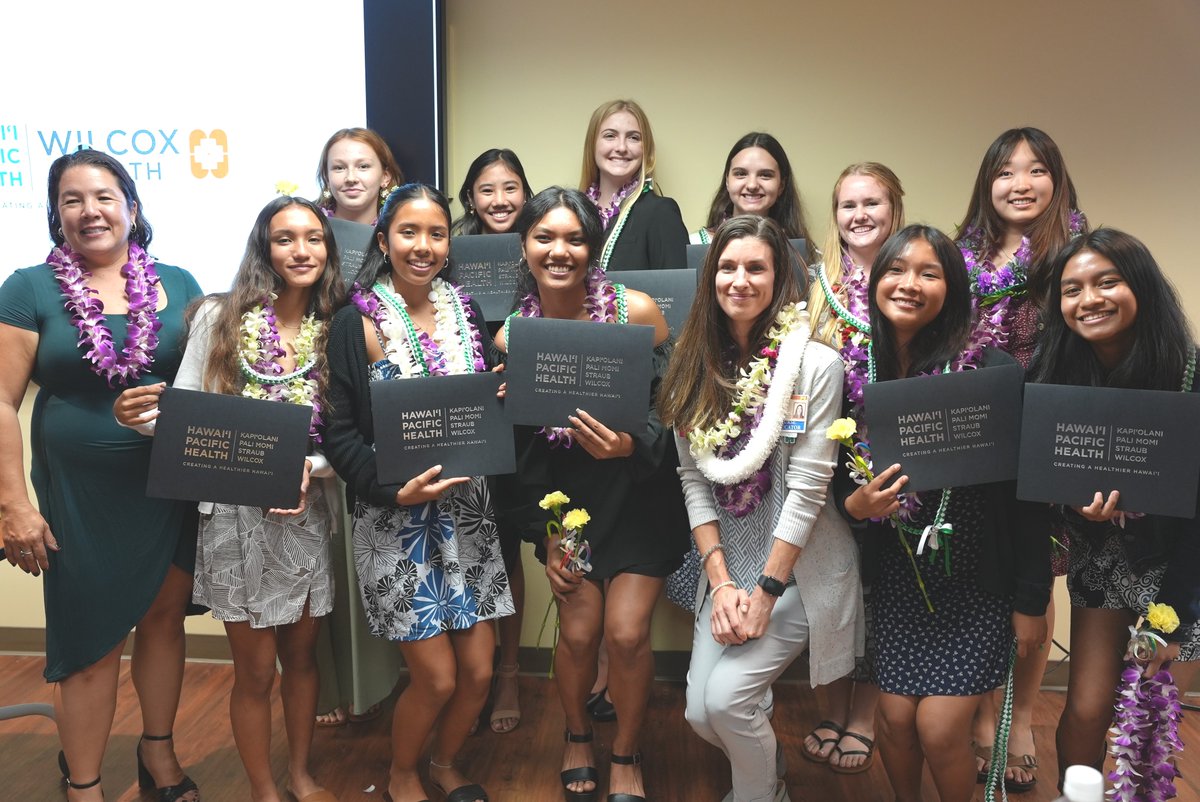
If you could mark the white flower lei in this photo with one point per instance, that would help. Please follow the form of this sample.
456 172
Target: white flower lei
446 334
756 387
297 387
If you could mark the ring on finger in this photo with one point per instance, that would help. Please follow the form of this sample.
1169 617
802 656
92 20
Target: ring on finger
25 553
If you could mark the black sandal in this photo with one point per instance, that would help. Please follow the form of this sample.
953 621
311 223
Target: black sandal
627 760
167 793
580 774
816 757
80 786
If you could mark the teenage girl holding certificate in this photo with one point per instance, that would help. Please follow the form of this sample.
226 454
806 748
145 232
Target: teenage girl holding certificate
943 627
1113 320
1022 211
625 480
426 552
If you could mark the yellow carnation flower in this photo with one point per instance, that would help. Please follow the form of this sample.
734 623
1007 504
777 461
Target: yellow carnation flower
841 429
1162 617
576 519
554 500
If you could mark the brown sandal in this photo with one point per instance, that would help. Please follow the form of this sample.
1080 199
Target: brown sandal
984 753
1026 762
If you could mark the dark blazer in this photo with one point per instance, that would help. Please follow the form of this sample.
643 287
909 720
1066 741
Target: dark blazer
653 238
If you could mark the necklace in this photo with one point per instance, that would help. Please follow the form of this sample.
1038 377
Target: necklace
855 325
760 397
87 314
607 213
616 232
992 287
1189 370
456 345
605 303
258 357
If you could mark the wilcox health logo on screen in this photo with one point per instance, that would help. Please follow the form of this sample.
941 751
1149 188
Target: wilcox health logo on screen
209 153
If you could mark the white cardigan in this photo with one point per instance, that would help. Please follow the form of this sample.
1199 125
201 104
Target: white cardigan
798 509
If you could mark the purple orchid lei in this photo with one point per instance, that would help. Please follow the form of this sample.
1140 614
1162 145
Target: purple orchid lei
87 314
740 498
264 376
433 358
994 288
855 287
607 213
1145 736
604 302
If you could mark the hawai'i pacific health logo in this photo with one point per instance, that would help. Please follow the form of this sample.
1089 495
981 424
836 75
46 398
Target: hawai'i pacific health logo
209 153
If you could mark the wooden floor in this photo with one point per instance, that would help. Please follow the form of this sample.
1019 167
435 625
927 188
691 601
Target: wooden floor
352 761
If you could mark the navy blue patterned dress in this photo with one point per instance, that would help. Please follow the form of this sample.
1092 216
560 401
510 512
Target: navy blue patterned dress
962 647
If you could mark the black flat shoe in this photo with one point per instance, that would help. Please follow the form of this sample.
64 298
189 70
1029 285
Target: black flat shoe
604 710
595 698
184 791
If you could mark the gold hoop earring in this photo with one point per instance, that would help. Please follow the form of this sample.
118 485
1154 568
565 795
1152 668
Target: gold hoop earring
61 235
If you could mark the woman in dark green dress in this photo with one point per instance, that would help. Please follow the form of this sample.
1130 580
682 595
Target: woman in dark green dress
97 317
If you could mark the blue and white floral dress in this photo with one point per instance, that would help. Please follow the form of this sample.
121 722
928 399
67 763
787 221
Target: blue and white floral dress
433 567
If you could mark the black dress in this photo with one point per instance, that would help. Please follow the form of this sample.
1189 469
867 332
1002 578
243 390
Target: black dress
638 520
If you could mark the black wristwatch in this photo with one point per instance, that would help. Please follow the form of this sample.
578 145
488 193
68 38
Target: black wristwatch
771 585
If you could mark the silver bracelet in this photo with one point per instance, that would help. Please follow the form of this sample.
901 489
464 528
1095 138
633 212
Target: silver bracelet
709 552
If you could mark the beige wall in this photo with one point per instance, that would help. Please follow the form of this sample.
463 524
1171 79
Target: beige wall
923 87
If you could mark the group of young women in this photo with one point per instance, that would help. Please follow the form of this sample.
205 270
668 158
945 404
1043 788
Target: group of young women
787 538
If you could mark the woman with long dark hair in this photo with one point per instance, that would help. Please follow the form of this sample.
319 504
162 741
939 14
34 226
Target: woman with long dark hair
779 565
1116 321
942 636
426 553
625 480
266 573
100 315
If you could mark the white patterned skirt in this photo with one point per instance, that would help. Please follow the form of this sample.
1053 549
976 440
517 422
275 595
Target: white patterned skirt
263 568
433 567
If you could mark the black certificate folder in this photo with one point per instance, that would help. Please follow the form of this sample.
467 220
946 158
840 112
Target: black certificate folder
949 430
453 421
1076 441
558 366
228 449
486 265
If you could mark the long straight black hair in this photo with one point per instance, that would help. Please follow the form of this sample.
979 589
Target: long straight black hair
945 337
1161 334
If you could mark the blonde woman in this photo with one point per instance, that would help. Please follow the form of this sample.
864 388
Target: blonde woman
642 229
868 207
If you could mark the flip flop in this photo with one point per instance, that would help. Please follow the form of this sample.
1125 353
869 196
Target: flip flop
869 753
816 757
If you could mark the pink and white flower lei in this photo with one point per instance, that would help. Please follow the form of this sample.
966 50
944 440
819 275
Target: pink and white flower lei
604 303
87 314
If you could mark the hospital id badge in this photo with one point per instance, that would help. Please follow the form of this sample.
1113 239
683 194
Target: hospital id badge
796 422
